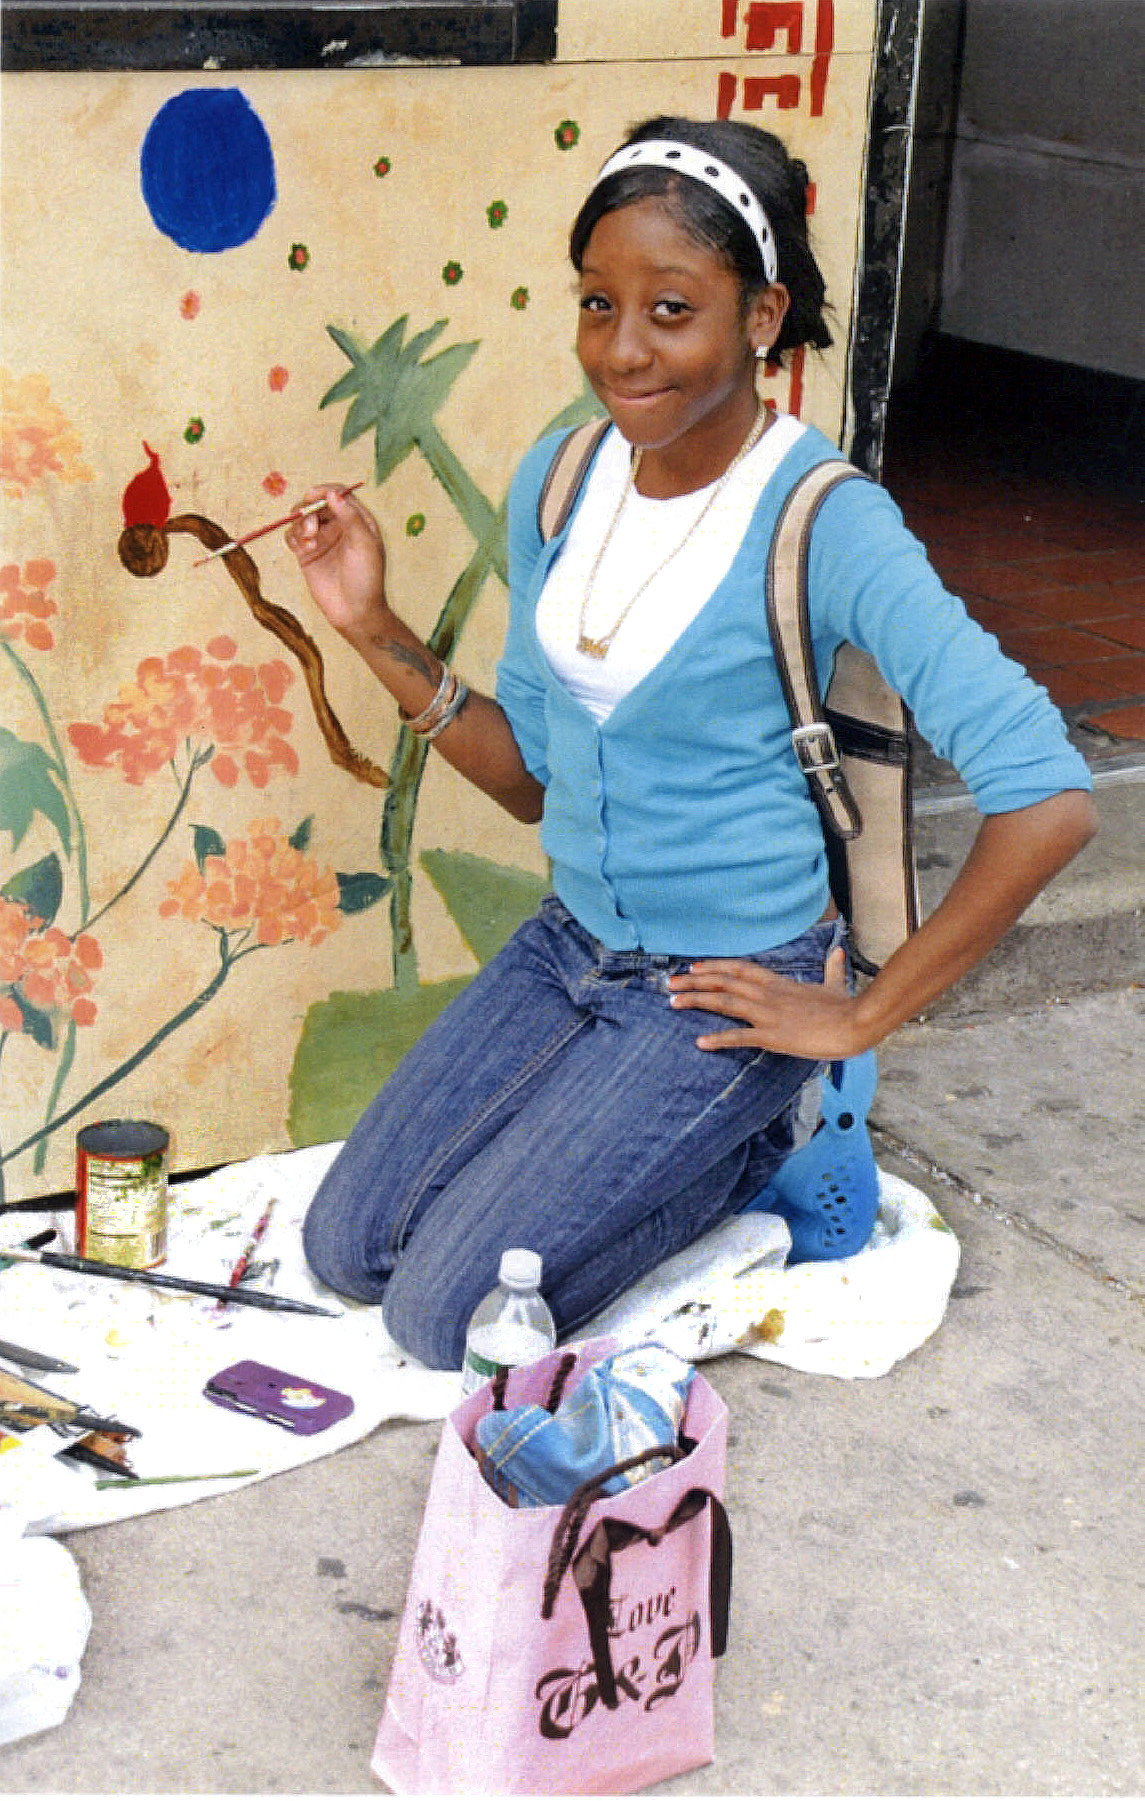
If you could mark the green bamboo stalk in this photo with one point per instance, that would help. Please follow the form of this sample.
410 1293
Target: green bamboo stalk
408 765
463 491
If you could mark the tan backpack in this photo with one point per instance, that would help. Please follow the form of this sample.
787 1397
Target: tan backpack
854 748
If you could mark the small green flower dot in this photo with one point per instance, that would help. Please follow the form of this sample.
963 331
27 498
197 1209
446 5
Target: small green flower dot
451 274
193 430
567 134
496 213
382 166
415 525
519 299
299 256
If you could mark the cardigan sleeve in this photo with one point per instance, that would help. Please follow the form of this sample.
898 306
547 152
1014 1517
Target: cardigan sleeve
520 672
871 582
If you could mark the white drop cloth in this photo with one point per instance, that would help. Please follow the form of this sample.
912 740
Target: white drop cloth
144 1354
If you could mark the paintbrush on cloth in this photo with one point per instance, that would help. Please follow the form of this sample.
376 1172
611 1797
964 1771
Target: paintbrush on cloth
150 1278
261 531
249 1249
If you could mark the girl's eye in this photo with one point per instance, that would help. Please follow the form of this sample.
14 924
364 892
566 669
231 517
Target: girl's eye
670 309
593 303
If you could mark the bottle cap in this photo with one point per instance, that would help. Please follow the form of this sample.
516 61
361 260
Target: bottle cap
520 1269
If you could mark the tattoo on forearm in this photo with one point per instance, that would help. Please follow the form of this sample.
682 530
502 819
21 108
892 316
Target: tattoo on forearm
417 659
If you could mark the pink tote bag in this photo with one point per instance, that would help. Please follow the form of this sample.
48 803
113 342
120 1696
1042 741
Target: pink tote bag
551 1651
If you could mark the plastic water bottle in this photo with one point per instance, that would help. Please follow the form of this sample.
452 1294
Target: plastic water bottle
512 1326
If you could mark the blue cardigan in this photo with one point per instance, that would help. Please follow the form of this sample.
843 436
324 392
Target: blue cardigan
681 823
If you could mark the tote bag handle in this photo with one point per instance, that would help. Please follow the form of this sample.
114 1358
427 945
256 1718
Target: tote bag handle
592 1563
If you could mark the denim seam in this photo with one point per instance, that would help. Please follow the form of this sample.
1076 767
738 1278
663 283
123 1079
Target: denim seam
475 1120
571 1326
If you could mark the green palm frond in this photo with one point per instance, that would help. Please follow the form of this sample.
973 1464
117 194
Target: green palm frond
392 391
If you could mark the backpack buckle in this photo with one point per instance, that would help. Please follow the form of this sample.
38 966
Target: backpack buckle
815 749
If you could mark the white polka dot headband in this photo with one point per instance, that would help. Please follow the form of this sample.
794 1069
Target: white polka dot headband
665 153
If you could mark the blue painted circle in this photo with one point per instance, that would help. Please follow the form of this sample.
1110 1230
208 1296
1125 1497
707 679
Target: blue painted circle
207 169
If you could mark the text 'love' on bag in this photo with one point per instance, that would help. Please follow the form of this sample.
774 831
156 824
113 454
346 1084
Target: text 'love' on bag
550 1650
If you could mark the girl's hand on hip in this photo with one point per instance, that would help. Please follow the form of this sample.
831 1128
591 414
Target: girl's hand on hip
343 560
797 1019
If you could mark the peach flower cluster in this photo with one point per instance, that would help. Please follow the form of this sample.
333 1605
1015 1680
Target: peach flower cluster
35 437
49 970
262 882
24 606
194 695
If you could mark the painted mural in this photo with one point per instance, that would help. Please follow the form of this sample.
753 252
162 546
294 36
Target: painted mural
233 889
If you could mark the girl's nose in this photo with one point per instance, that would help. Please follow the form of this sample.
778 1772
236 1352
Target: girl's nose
628 345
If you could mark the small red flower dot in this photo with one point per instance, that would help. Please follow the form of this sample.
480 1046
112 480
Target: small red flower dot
190 304
299 256
451 274
274 483
277 378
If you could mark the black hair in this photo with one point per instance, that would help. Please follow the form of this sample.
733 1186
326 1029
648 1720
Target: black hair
779 183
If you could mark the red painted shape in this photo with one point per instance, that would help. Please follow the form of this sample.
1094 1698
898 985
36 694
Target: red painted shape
146 498
821 61
767 18
728 21
725 94
784 90
795 392
810 198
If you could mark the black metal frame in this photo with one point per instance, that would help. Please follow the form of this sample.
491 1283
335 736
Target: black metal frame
274 34
889 135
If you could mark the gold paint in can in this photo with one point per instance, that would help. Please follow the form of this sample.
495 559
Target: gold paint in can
121 1193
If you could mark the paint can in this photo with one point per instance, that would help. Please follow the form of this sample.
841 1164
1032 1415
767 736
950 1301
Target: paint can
121 1192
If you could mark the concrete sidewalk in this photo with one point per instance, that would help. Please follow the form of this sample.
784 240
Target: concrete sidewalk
940 1574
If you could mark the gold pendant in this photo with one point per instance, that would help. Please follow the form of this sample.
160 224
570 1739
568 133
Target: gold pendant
592 647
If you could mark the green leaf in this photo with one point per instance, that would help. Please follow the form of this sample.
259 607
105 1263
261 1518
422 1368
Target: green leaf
39 1025
361 890
486 901
391 391
350 1043
301 835
40 887
207 843
28 785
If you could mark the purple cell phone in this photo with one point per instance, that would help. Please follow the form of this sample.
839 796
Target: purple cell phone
291 1401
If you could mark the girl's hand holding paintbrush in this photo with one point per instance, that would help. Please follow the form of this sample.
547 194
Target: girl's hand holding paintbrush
343 560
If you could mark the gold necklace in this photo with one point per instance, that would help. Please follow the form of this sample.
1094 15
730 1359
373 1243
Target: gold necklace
599 647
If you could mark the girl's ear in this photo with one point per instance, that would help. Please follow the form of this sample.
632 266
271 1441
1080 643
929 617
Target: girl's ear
766 315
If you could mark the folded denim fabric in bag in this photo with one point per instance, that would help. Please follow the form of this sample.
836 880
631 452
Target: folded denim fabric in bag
628 1403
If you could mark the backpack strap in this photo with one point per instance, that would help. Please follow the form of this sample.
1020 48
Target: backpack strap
565 476
812 736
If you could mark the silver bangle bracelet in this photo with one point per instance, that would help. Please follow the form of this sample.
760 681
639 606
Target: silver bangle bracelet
427 716
456 701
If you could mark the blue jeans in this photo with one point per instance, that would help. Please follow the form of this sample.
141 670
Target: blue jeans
558 1104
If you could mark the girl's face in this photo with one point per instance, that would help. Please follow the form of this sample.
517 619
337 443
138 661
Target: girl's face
663 339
